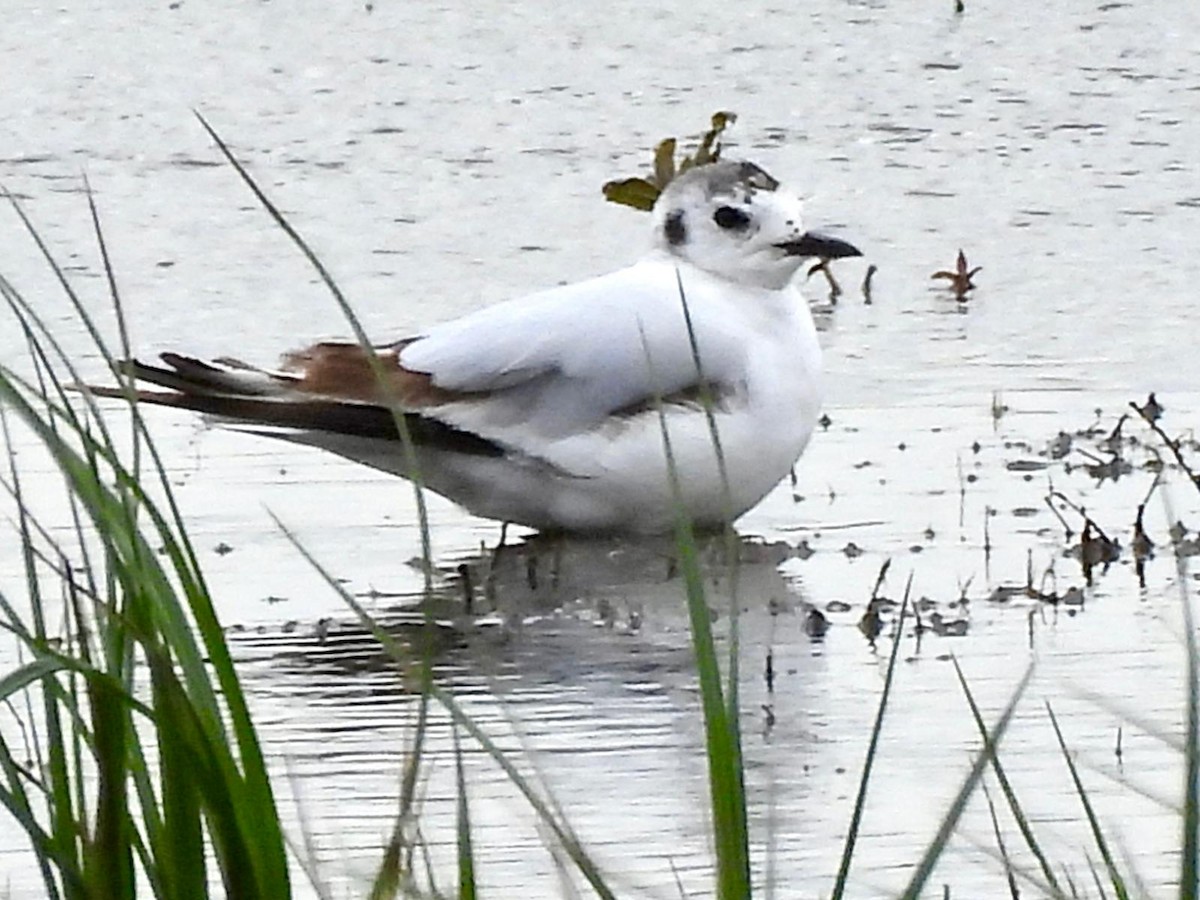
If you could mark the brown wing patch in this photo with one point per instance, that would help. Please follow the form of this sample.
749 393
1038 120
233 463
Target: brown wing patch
343 371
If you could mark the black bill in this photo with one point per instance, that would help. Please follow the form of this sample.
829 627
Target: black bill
812 244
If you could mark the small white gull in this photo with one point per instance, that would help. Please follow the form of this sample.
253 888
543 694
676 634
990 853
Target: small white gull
547 410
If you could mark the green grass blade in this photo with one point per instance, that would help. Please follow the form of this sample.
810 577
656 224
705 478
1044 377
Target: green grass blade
20 678
397 855
1006 787
737 834
109 862
1009 873
15 799
185 565
721 733
950 821
722 746
151 604
180 843
860 801
55 761
1095 873
118 313
1110 866
1189 877
466 856
136 609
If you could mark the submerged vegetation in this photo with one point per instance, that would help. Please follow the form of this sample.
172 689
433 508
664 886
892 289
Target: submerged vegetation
134 767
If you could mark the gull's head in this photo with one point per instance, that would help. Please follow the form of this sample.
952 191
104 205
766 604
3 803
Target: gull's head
734 221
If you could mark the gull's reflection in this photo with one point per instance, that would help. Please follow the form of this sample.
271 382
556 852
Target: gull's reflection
547 608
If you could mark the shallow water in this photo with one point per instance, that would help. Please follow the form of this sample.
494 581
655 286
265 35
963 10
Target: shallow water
439 160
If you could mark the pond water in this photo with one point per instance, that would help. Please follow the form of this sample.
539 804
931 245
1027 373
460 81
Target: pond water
440 158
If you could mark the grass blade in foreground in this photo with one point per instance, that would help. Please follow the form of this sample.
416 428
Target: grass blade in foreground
96 836
950 822
1189 878
839 887
170 531
1114 875
734 831
727 791
1009 794
466 858
1009 872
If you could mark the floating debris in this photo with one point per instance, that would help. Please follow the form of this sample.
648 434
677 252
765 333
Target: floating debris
871 624
1095 549
1025 465
1060 446
944 627
999 408
815 624
960 278
1151 410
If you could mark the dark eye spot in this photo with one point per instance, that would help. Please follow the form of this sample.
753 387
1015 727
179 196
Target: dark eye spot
674 228
730 218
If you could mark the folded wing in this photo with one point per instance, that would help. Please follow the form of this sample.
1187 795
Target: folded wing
513 377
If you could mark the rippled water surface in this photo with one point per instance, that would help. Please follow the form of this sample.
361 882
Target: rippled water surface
441 158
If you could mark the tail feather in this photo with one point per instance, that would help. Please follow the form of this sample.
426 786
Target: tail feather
192 375
253 396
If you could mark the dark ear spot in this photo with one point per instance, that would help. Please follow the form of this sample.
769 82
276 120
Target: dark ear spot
674 228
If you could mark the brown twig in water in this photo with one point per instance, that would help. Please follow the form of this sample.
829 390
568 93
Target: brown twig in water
987 533
1087 520
879 580
1050 503
866 284
1112 443
1142 545
1095 547
871 624
1150 414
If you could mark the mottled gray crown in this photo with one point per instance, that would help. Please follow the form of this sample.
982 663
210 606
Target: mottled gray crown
721 178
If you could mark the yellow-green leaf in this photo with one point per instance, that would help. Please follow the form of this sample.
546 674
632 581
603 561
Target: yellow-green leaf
636 192
641 193
664 162
722 120
709 150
